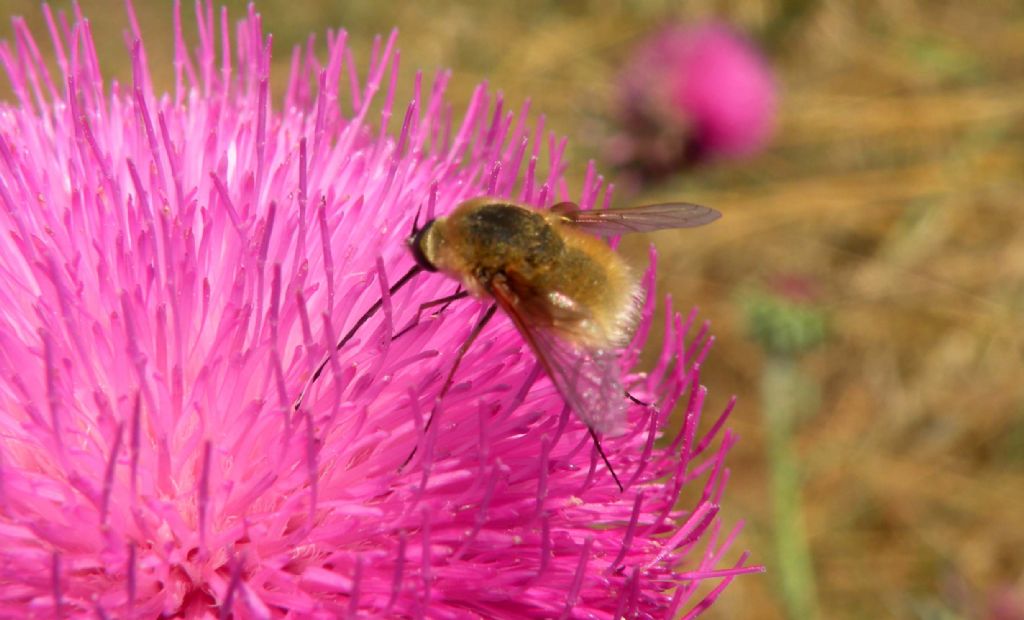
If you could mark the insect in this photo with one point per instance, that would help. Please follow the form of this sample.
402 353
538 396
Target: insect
572 298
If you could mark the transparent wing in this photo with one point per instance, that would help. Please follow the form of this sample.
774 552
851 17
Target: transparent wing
588 378
614 222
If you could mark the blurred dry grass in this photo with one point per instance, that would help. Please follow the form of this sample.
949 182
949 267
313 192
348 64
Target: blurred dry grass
895 182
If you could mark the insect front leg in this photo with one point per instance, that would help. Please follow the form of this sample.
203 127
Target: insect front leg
479 327
444 302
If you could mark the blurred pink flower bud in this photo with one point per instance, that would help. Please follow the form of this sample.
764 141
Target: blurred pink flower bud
1006 603
691 93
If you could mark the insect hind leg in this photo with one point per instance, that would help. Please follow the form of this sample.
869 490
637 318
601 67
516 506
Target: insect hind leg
636 400
600 450
604 457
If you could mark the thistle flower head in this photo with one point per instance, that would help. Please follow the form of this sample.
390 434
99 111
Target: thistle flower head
695 92
176 267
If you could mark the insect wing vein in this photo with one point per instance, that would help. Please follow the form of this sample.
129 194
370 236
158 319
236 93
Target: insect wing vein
587 378
614 222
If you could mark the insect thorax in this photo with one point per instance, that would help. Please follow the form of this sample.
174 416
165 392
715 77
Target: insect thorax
496 237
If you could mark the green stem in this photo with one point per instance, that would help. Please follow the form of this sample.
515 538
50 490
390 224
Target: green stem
781 398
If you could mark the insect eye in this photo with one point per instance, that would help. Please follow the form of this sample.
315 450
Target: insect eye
416 242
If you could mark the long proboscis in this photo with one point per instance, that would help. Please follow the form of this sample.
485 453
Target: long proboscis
372 310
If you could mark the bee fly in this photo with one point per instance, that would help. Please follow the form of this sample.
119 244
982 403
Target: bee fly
572 298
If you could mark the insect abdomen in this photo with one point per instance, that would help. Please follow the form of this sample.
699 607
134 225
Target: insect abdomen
598 278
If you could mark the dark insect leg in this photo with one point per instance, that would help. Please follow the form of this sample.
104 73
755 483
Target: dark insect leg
416 223
457 295
636 400
600 450
451 373
444 302
352 332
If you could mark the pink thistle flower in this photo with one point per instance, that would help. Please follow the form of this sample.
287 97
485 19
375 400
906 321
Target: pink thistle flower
694 92
174 269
